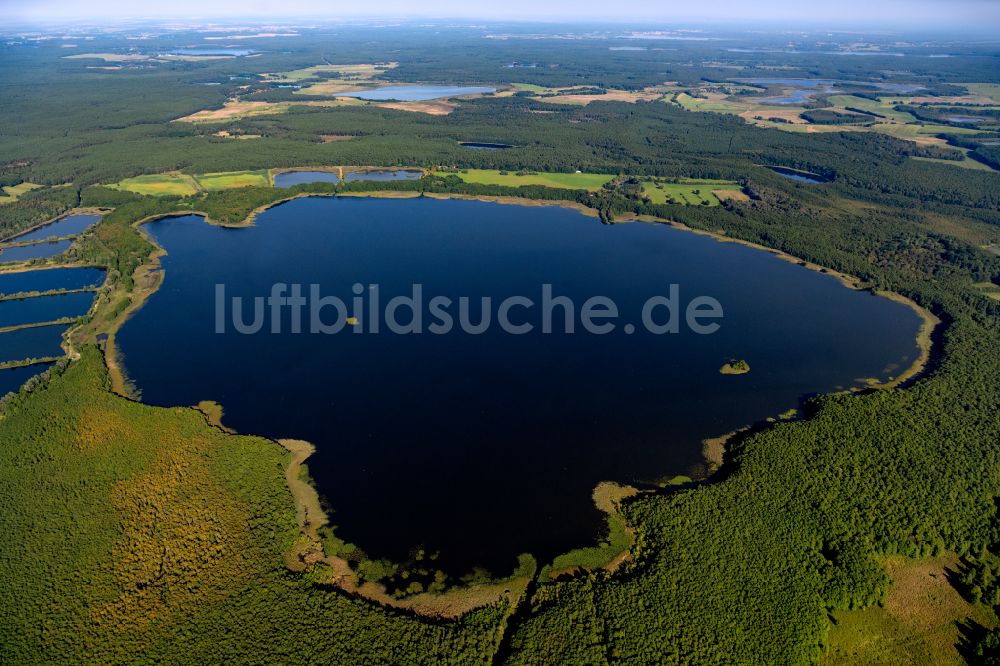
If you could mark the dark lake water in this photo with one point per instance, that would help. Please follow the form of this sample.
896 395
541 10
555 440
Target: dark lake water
44 308
798 176
70 225
292 178
50 279
485 446
12 380
415 93
37 251
478 145
383 174
28 343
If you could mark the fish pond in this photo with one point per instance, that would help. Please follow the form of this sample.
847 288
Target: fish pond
71 225
12 379
36 342
23 311
292 178
383 175
50 279
37 251
480 443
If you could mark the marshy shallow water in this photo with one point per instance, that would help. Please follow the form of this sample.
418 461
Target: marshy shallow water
486 446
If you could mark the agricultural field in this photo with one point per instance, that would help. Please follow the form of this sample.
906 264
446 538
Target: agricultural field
183 185
12 192
687 192
572 181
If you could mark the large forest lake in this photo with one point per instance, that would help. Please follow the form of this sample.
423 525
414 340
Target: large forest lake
486 446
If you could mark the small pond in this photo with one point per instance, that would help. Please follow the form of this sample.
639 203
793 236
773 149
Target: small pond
71 225
292 178
798 176
12 379
36 251
44 308
26 343
50 279
383 174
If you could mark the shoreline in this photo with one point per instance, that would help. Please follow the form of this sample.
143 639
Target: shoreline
452 604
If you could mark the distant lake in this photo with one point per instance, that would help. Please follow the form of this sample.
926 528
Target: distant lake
44 308
11 380
28 343
798 176
806 89
415 93
292 178
71 225
210 52
486 446
50 279
383 174
478 145
37 251
965 119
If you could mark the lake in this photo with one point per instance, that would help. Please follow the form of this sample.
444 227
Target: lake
383 174
210 52
71 225
11 380
44 308
28 343
50 279
37 251
798 176
478 145
292 178
483 446
415 93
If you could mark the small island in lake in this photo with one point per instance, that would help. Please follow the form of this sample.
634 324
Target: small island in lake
735 367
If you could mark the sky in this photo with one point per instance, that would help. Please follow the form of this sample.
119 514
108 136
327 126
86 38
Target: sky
929 13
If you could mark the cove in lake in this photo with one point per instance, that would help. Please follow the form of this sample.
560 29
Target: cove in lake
415 93
26 343
49 279
485 446
292 178
71 225
37 251
44 308
13 379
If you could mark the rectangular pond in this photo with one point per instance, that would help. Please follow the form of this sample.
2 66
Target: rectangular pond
25 343
13 379
44 308
41 250
71 225
292 178
383 175
49 279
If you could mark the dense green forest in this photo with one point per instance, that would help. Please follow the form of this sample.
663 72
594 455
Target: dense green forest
141 534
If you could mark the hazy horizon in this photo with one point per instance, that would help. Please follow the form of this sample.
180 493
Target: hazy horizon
980 15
